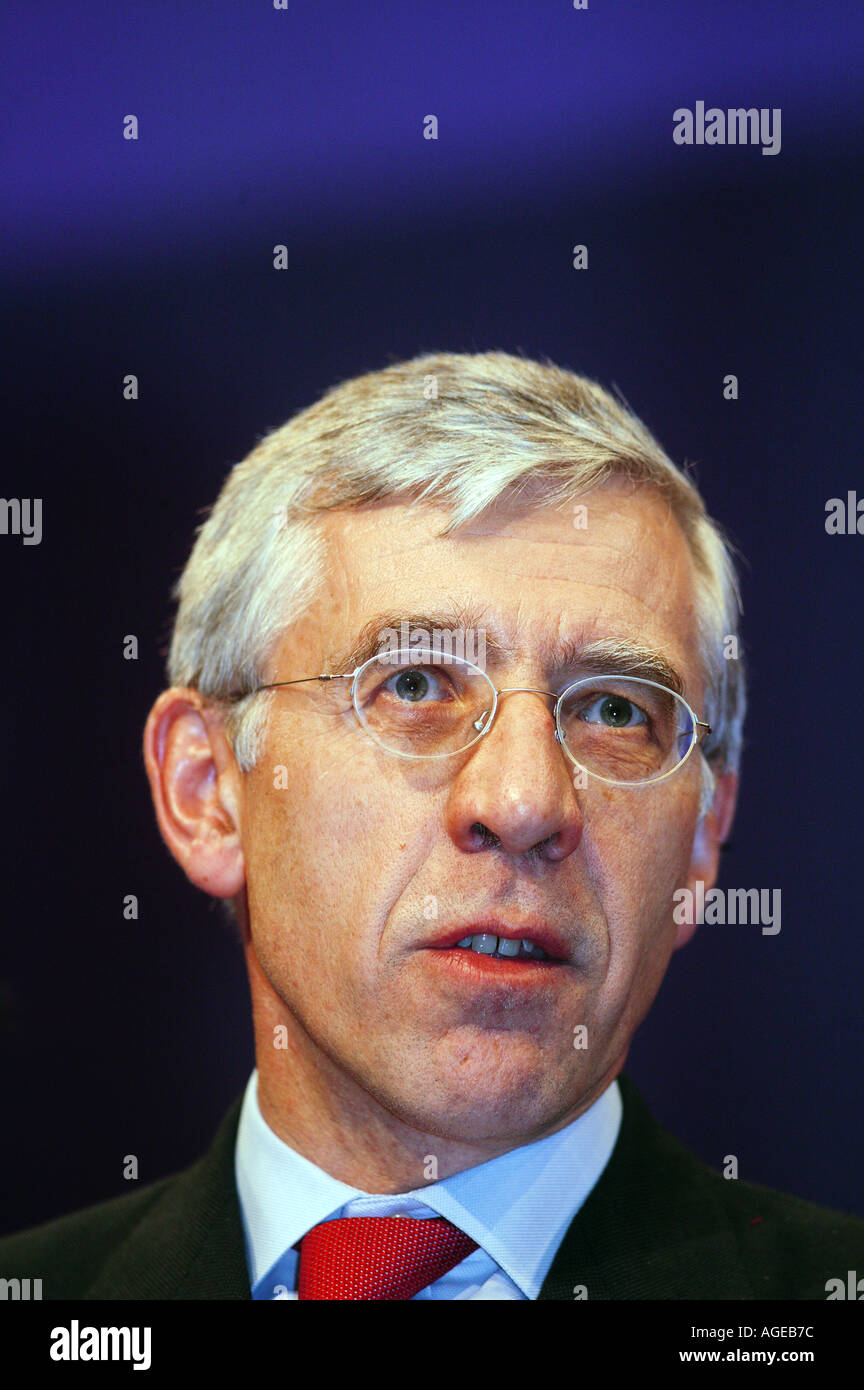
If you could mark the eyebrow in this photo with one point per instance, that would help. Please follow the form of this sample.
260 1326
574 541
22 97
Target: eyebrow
603 655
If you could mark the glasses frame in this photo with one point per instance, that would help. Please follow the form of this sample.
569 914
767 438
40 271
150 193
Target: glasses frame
354 677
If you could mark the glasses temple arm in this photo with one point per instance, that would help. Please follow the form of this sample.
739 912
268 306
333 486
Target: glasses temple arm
300 680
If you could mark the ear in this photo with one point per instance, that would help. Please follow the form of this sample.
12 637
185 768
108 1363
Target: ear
711 832
197 791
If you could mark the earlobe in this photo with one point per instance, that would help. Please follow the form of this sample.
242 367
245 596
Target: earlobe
194 783
711 832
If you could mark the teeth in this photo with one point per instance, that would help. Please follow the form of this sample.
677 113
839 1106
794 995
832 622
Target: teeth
488 944
507 947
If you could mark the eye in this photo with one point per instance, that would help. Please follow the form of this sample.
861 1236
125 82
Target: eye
415 684
614 711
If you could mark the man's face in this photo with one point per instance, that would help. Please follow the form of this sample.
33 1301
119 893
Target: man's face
358 867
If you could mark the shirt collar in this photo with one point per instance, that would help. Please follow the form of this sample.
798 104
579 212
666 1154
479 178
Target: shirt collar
517 1207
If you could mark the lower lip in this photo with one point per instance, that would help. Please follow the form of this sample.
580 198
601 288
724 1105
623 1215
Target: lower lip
510 970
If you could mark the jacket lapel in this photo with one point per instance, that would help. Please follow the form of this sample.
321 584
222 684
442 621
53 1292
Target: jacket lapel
651 1228
190 1243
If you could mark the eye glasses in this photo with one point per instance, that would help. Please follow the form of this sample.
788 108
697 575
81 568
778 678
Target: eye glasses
620 729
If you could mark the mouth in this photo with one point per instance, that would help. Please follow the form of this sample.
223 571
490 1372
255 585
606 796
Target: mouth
504 947
497 950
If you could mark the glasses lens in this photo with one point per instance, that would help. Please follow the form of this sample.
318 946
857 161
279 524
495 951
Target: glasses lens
625 730
423 705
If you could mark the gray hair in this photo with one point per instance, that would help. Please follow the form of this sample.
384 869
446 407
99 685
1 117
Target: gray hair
451 428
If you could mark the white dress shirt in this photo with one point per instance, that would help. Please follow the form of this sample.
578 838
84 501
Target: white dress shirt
516 1207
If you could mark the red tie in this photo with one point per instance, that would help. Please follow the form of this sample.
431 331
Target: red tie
378 1257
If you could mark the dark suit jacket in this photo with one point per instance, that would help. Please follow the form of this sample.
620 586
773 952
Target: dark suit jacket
659 1224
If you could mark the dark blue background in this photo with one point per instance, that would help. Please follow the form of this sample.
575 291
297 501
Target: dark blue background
259 127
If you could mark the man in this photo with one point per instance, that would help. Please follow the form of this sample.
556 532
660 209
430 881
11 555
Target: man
451 722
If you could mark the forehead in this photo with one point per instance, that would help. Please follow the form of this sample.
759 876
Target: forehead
627 572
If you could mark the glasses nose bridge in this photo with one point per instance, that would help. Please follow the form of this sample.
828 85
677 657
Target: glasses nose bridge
525 690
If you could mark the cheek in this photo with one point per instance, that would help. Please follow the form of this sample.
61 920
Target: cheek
638 857
316 838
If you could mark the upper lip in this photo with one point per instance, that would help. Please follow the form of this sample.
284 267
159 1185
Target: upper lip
529 928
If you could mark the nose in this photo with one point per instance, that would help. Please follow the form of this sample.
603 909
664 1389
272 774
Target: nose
515 788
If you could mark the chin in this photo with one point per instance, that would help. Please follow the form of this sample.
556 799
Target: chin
501 1120
478 1101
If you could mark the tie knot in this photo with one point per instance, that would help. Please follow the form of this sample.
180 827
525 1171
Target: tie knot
378 1257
